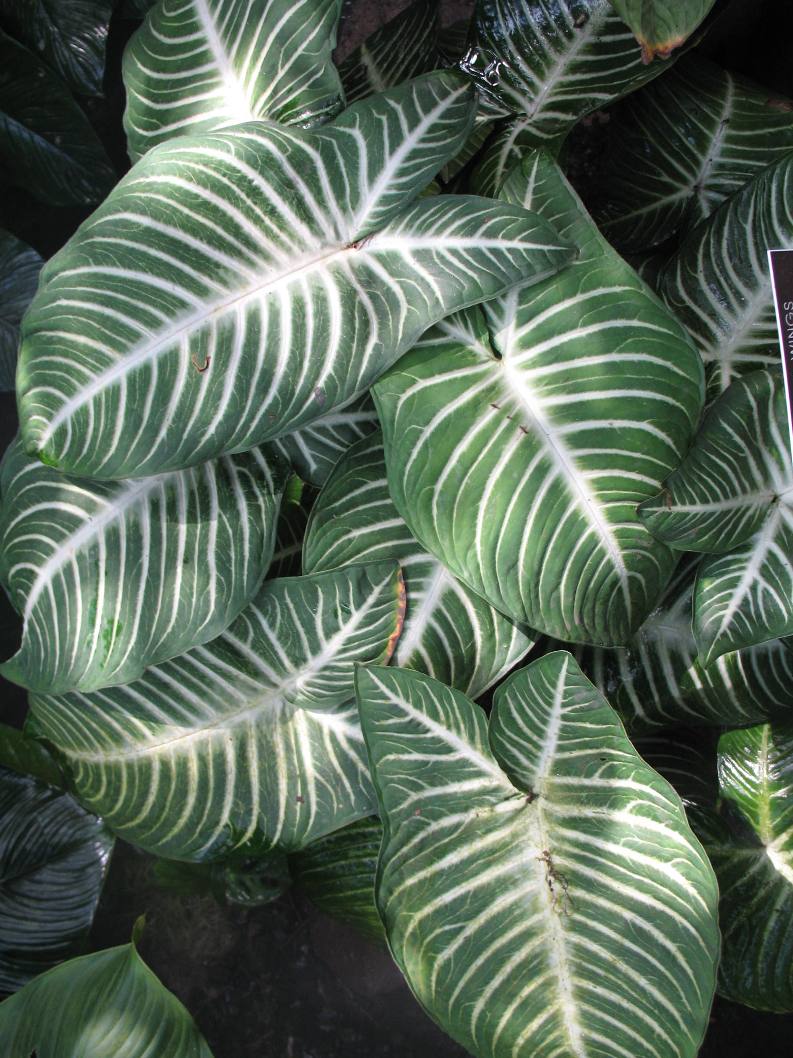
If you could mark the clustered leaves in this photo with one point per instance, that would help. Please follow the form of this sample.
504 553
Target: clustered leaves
341 412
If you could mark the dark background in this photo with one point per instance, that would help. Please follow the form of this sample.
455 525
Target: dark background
285 980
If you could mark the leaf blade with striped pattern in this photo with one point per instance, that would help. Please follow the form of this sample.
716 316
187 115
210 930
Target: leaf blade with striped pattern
505 893
552 435
305 279
732 498
683 145
718 282
200 65
449 632
742 813
248 742
110 577
54 859
658 680
551 62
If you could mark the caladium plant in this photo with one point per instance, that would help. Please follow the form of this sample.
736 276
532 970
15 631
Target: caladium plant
374 526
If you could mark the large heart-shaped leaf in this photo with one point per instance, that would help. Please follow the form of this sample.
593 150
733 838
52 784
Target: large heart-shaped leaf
552 61
112 576
199 65
46 143
661 26
542 894
53 861
520 463
732 497
402 48
315 449
449 632
658 681
239 285
108 1003
247 742
337 874
19 276
719 284
744 818
681 146
70 35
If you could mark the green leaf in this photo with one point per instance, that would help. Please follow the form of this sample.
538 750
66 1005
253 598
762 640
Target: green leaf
683 145
337 874
47 146
449 632
69 35
111 577
517 457
718 282
289 533
26 757
542 894
510 144
401 49
551 62
732 497
199 65
108 1003
658 681
224 325
756 878
53 861
19 276
248 742
315 449
745 821
661 26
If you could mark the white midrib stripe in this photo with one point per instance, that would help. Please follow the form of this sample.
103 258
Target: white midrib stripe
565 461
762 542
239 106
69 548
149 350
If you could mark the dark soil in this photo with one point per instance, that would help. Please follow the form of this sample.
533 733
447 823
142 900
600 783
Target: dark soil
284 980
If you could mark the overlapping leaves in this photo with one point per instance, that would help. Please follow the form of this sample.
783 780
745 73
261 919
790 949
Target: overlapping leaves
209 264
53 861
743 814
732 498
247 742
110 577
718 283
449 631
542 893
518 452
199 65
681 146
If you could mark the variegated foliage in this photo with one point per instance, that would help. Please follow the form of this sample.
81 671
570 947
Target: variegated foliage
719 284
732 498
112 576
658 680
743 814
53 861
449 632
519 441
200 65
681 146
552 61
239 285
248 742
539 885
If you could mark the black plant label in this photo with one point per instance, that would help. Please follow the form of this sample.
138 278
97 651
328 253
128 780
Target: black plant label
781 263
